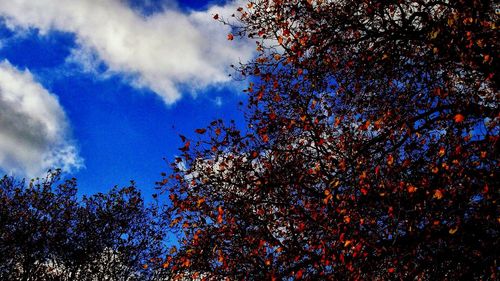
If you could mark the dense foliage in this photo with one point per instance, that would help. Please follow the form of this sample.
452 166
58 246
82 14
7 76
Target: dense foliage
371 150
47 233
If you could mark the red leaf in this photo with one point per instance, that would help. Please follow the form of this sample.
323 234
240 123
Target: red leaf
299 274
185 147
200 131
230 37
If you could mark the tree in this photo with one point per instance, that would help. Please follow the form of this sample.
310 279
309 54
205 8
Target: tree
371 150
47 233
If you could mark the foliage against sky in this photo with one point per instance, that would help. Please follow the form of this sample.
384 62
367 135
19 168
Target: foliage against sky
371 151
371 142
119 80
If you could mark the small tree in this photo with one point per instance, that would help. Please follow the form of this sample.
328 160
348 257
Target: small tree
371 149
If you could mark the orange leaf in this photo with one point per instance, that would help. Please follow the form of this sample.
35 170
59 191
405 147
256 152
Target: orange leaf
173 250
390 160
435 170
337 121
411 189
265 138
200 131
230 37
328 197
442 151
438 194
221 212
186 263
200 201
453 230
365 126
459 118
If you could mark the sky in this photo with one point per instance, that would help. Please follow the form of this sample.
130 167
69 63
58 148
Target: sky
102 89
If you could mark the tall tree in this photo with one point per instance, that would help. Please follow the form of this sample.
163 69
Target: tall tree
371 150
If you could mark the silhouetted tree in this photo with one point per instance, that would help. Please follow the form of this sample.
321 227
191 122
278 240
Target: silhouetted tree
371 150
47 233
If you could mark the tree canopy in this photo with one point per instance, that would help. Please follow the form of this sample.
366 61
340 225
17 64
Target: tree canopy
47 233
371 150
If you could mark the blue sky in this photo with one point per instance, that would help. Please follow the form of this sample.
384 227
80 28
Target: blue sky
104 88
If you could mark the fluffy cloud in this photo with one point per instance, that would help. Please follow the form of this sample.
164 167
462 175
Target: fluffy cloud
33 126
162 52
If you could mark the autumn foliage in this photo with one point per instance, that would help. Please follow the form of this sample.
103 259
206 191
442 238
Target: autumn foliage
371 151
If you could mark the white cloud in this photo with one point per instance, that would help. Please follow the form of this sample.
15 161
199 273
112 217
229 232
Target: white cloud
33 127
162 52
